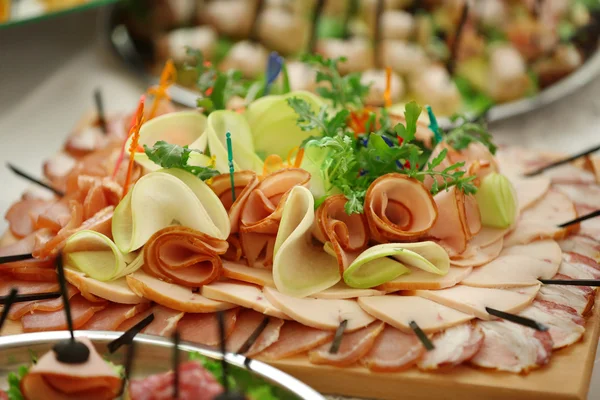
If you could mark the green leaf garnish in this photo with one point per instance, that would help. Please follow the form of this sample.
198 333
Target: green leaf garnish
14 383
173 156
467 132
308 120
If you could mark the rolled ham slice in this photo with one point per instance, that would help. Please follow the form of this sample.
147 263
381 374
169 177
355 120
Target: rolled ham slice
348 234
393 350
82 311
49 379
399 208
295 338
246 323
164 322
511 347
184 256
244 183
113 316
453 347
565 325
204 328
258 249
352 348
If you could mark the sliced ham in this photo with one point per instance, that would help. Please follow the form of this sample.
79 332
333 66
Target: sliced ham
22 215
511 347
578 266
244 183
399 208
50 379
320 313
258 249
586 195
348 234
393 350
582 245
26 287
589 227
171 295
399 311
353 347
474 300
37 269
18 310
542 219
195 383
204 328
529 190
240 272
57 215
164 322
453 347
82 311
184 256
113 316
565 325
246 323
580 298
18 246
295 338
57 168
475 256
518 266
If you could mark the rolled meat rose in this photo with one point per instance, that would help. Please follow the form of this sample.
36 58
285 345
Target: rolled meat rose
244 182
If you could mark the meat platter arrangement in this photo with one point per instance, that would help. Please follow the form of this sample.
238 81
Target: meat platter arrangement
362 250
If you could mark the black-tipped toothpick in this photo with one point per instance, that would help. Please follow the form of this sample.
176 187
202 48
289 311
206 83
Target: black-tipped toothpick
100 111
34 180
68 351
517 319
10 299
571 282
312 44
252 338
227 393
128 366
175 361
422 336
457 38
16 257
563 161
129 334
577 220
337 339
30 297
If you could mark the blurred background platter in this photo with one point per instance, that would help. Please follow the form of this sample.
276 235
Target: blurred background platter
16 12
513 56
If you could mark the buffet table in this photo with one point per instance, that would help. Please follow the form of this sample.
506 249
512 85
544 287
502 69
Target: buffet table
48 72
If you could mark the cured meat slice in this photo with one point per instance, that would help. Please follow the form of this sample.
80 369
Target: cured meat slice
399 208
22 215
542 219
348 234
240 272
258 248
511 347
475 256
579 267
116 291
453 347
184 256
581 245
353 347
590 227
421 279
204 328
393 350
81 311
580 298
474 300
18 310
565 325
244 183
342 291
171 295
530 190
25 287
518 266
50 379
582 195
57 215
113 316
320 313
194 383
57 168
241 294
246 323
22 246
164 322
295 338
399 311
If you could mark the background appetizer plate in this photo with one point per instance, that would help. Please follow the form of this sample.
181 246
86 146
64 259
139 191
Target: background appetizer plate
153 355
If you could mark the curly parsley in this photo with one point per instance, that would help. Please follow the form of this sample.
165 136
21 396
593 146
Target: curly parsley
173 156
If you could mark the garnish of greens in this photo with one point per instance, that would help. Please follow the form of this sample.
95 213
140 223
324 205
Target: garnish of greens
243 381
14 383
350 162
173 156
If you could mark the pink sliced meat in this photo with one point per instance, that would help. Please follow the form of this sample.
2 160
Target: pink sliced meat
164 322
18 310
511 347
246 323
565 325
23 246
195 383
81 311
352 347
393 350
113 316
295 338
582 245
579 298
22 215
453 347
579 266
590 227
204 328
26 287
581 194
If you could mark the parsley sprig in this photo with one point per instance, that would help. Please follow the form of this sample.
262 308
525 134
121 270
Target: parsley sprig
173 156
468 131
308 120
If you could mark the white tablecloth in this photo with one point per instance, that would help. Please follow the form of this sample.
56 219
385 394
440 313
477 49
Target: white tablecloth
48 72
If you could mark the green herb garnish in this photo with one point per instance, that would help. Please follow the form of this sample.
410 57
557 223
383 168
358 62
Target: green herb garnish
14 383
308 120
173 156
468 131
